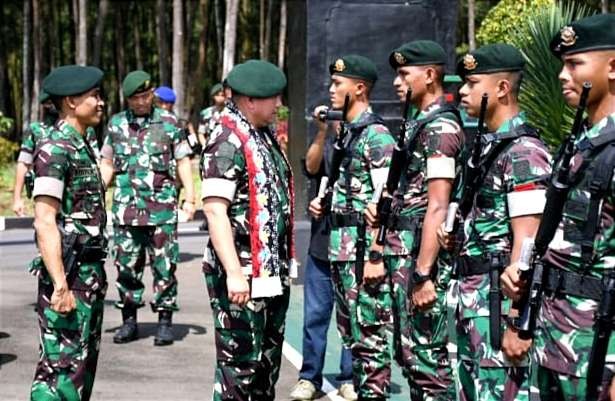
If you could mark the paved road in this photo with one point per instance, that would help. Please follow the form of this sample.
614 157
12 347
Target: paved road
138 371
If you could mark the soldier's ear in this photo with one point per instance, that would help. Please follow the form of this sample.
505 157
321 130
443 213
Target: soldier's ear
611 68
503 88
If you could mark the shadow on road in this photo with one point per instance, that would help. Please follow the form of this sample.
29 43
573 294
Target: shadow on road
7 358
187 257
181 331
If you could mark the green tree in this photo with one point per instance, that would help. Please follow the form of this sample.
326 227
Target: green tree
508 16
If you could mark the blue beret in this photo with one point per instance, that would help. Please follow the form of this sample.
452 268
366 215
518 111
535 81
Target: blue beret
165 94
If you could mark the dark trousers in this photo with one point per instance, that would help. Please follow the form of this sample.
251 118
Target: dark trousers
318 301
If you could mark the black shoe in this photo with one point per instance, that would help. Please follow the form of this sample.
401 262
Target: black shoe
128 331
164 335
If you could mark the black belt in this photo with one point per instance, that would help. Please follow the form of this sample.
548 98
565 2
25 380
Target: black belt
492 264
473 265
346 220
565 282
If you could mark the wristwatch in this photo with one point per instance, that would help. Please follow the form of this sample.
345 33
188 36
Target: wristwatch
418 277
375 256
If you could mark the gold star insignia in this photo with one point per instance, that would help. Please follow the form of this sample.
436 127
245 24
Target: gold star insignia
399 58
339 65
568 36
469 62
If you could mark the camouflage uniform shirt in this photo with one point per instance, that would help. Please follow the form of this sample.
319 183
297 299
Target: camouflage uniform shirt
208 119
144 151
370 151
566 323
513 186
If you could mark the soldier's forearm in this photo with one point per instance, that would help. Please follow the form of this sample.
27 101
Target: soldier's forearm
184 170
429 248
48 239
314 155
20 174
221 235
106 171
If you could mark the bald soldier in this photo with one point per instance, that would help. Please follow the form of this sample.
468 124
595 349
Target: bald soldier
70 219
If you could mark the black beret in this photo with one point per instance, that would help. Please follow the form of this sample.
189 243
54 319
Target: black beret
489 59
588 34
418 52
354 66
256 78
69 80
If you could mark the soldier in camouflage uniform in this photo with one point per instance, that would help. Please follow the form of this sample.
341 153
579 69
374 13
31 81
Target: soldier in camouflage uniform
209 117
69 202
420 272
248 201
506 209
565 332
34 133
145 151
363 303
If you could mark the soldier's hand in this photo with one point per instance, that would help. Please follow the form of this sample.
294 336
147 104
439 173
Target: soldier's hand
189 208
612 389
424 295
320 124
371 215
238 288
19 207
514 347
373 273
62 300
512 285
446 240
315 209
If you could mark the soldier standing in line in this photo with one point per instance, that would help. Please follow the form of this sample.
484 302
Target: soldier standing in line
435 140
145 151
209 116
580 258
70 219
505 208
248 200
363 300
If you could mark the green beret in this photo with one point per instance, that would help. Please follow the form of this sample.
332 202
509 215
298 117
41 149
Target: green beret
69 80
490 59
43 97
418 52
588 34
256 78
354 66
215 89
136 81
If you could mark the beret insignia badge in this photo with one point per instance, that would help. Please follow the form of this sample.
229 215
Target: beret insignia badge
339 65
568 36
399 58
469 62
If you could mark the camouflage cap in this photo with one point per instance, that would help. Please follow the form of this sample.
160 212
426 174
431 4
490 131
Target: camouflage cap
418 52
69 80
257 78
489 59
588 34
215 89
135 82
354 66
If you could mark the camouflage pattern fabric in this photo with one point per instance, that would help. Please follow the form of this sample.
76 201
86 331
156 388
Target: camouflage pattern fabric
248 339
144 151
565 324
513 186
366 331
364 313
66 169
370 156
131 245
209 118
557 386
425 334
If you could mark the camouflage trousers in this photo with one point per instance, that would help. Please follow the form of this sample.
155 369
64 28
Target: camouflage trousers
248 341
424 335
485 374
559 386
69 343
130 245
364 321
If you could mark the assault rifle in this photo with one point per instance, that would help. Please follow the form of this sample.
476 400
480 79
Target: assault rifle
398 163
325 191
557 193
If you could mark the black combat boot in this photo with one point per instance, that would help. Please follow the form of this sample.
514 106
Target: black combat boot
164 335
129 331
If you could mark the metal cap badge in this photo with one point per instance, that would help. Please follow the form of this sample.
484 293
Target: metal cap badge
469 62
